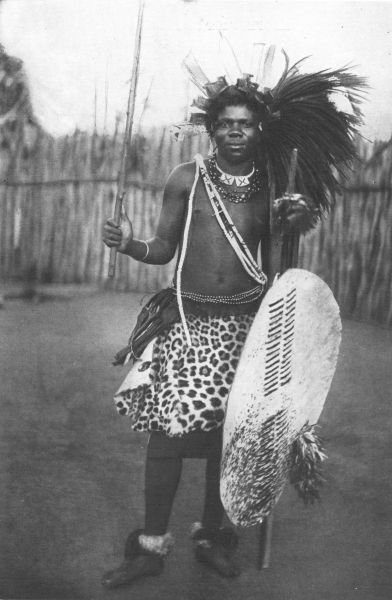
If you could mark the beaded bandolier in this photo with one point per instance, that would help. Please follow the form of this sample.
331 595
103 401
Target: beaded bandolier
235 240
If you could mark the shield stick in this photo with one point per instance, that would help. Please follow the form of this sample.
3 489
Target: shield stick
121 180
290 183
293 242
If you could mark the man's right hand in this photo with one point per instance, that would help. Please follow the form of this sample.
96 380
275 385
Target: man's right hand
118 236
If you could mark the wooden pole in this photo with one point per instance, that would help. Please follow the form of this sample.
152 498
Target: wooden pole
292 171
263 560
288 251
293 257
128 132
290 246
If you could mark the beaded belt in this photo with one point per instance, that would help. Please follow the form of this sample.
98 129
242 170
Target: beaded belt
239 298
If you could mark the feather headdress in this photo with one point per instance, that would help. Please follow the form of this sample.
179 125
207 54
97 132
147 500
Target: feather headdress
317 113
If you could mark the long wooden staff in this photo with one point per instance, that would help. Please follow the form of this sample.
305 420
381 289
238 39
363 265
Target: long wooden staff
289 258
128 132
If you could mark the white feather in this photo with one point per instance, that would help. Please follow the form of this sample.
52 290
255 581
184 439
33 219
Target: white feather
342 102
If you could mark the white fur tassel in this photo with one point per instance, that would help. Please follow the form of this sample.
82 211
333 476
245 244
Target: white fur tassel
157 544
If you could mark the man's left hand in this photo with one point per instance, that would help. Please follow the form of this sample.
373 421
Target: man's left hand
295 213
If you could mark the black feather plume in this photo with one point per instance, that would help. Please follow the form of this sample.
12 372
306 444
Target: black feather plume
302 116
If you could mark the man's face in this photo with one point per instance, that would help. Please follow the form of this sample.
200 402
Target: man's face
236 134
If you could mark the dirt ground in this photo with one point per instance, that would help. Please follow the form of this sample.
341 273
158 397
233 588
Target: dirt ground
72 471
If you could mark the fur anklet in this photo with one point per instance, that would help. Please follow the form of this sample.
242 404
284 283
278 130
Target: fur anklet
224 536
195 528
157 544
200 535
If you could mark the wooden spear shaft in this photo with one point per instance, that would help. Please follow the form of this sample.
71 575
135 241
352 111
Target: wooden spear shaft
288 258
128 132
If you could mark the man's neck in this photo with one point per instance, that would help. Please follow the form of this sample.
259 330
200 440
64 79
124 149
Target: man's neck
241 168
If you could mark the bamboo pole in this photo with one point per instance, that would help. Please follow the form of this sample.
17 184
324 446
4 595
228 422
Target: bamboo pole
128 133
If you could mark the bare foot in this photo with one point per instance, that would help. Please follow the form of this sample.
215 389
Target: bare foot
217 559
129 570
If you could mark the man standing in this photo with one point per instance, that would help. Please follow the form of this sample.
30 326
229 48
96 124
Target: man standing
184 406
217 213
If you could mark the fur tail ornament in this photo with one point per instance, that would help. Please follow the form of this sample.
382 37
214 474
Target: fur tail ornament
307 454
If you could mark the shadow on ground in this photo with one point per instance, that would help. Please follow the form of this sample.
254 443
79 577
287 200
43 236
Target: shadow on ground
72 471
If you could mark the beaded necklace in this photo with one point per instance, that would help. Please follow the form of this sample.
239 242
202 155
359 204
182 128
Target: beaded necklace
224 181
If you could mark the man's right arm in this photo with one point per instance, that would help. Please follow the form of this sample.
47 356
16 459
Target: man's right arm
161 248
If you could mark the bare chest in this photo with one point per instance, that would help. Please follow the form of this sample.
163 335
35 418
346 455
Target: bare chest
250 218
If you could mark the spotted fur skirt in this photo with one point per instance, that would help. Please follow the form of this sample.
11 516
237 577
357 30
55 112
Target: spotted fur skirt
178 389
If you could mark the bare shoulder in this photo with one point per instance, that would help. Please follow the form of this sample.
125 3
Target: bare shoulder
182 177
174 203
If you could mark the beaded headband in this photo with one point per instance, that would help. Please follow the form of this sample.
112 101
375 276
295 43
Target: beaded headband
254 90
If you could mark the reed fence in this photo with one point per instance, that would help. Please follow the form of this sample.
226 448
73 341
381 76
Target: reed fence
56 193
352 248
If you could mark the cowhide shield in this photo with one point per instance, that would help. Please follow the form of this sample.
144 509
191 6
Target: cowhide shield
281 382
